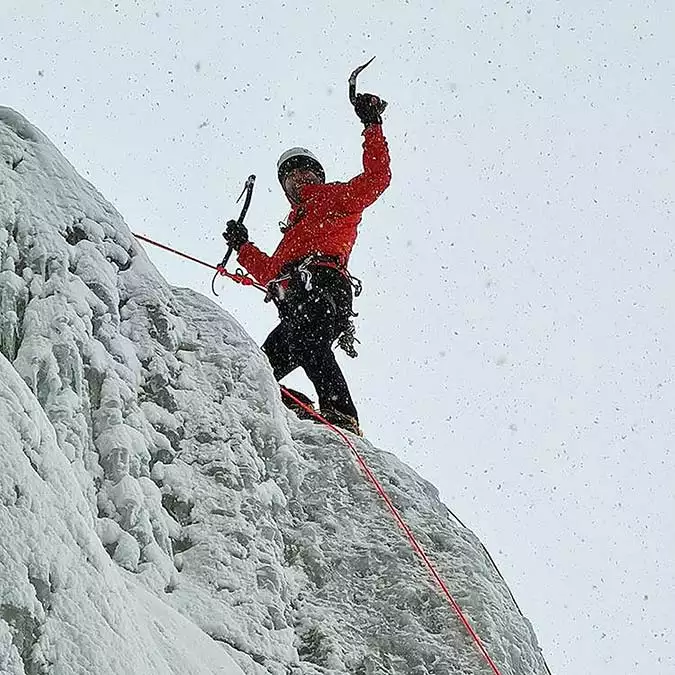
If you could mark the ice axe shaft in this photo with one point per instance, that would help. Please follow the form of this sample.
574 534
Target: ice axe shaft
248 191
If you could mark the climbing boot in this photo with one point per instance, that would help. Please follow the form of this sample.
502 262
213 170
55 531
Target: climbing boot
342 420
301 412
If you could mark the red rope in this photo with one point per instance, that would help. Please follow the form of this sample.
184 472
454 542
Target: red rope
404 526
239 278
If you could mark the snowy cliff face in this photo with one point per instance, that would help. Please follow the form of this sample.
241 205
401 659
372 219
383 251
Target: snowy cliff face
162 512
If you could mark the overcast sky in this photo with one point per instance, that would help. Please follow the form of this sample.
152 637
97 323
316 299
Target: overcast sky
516 323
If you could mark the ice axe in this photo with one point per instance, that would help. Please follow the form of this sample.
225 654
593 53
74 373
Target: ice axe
352 85
248 191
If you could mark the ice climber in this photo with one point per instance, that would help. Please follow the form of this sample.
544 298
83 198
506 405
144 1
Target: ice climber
307 275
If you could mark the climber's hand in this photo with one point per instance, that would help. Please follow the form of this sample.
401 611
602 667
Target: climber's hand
236 234
369 108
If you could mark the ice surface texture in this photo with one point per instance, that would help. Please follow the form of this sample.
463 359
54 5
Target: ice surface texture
162 511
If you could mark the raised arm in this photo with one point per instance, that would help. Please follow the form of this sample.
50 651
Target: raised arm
362 190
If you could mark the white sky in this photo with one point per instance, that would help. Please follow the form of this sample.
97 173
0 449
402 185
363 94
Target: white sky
516 321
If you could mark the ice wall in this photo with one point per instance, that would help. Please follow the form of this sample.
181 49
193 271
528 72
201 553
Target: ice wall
256 528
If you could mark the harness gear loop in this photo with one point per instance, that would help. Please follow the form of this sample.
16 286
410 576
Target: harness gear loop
347 339
357 284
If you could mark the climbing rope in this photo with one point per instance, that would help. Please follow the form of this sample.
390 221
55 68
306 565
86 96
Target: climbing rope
404 526
238 276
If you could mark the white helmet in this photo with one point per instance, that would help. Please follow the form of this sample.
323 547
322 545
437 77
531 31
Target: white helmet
298 157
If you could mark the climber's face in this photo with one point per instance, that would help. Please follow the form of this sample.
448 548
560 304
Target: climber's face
296 180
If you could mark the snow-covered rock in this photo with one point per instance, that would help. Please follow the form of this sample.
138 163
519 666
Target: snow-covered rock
160 509
64 605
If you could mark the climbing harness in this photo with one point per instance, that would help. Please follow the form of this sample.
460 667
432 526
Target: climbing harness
404 526
301 269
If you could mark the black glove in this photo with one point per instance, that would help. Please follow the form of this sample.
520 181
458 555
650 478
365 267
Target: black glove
369 108
236 234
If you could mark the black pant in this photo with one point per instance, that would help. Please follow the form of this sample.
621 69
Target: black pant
310 321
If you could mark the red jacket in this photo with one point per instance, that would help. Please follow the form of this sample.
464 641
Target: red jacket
326 219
